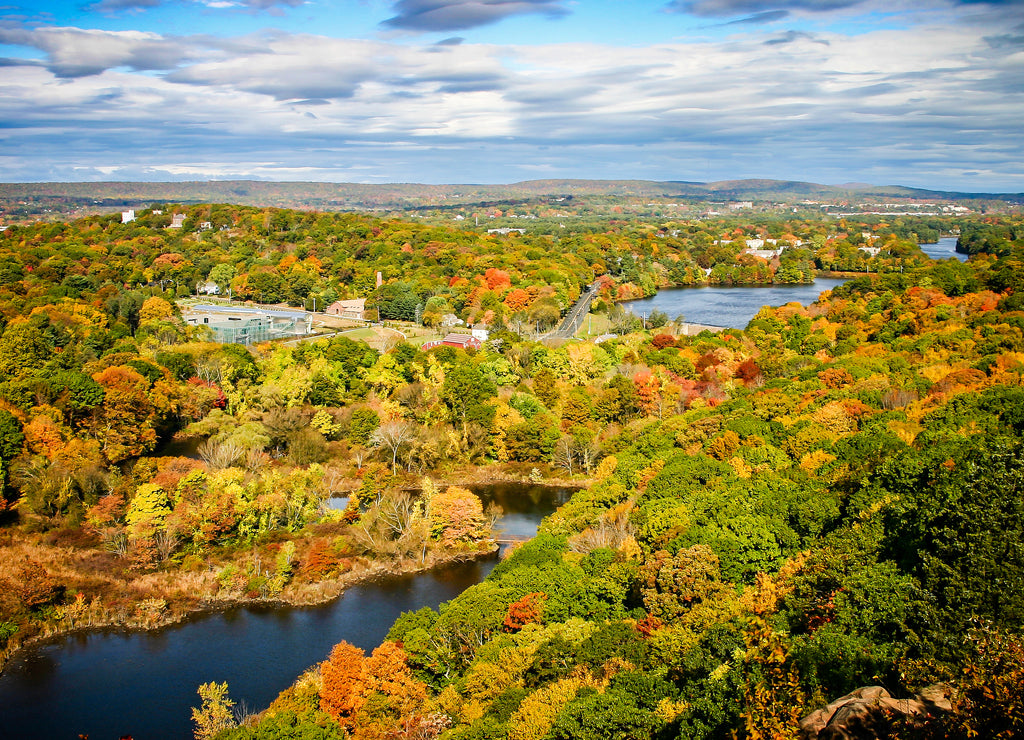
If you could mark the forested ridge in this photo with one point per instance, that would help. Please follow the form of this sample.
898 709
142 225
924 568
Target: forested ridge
50 200
770 518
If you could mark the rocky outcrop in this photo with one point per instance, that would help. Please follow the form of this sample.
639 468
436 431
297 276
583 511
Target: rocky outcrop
869 712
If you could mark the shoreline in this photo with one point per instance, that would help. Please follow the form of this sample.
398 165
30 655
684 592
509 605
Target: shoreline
328 591
166 607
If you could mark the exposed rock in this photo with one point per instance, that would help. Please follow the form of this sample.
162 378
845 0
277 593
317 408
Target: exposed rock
869 712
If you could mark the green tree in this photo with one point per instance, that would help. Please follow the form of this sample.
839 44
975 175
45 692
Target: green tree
222 274
362 424
959 527
671 586
466 392
11 437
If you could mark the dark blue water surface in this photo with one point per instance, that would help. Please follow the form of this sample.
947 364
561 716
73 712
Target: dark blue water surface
734 307
108 683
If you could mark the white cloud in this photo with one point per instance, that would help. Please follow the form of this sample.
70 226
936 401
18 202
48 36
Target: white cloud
927 103
74 52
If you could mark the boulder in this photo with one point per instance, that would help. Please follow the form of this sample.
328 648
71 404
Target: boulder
869 712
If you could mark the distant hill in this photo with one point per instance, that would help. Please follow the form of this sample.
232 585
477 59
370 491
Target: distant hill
20 200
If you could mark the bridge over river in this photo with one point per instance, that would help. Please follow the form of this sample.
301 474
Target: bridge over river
512 539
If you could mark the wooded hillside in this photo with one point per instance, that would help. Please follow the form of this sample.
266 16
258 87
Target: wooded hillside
770 517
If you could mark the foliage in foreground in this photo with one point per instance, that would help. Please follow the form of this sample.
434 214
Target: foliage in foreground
848 513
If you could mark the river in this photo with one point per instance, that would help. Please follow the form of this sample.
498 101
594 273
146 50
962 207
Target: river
943 249
110 683
735 306
728 306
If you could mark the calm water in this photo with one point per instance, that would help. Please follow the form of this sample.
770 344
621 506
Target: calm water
943 249
180 447
728 306
524 506
106 684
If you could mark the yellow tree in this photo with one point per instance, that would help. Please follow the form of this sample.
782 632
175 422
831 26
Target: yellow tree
505 417
155 308
393 696
147 511
538 711
125 424
456 515
215 714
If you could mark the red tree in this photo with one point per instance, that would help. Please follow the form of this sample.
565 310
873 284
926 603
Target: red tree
647 391
525 611
496 278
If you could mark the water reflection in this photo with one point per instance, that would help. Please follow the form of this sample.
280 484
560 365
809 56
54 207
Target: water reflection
106 684
728 306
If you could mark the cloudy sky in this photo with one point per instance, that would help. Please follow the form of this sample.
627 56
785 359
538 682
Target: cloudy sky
927 93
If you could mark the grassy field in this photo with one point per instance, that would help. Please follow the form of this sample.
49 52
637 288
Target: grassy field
593 326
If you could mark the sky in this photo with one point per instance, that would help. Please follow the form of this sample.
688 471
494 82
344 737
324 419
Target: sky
923 93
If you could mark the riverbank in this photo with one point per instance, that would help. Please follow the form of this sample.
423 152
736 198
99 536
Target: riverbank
523 473
172 597
83 586
258 646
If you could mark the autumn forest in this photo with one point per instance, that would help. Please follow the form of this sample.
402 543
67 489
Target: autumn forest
766 519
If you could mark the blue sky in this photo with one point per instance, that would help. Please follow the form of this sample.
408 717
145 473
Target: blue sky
926 93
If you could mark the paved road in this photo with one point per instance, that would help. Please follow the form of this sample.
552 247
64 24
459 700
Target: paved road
572 321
